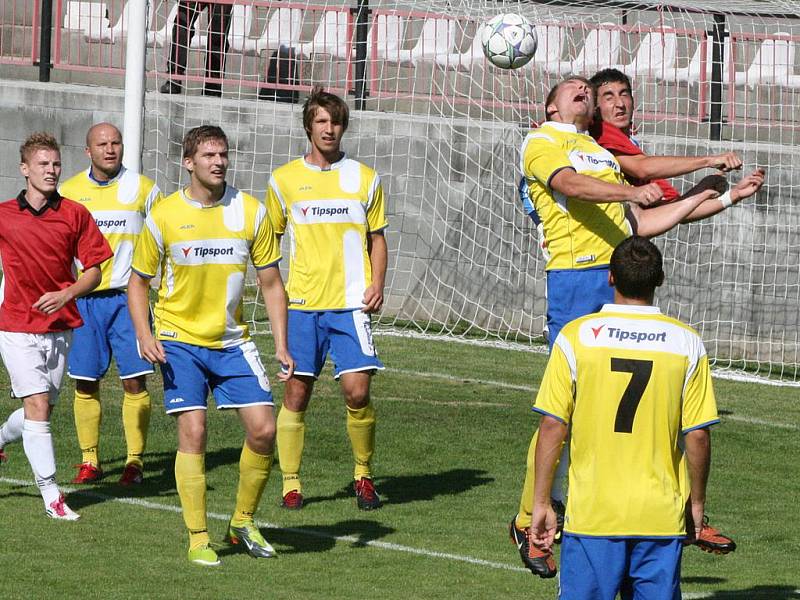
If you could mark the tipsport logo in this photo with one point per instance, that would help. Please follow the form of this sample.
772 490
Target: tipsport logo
638 337
332 211
202 252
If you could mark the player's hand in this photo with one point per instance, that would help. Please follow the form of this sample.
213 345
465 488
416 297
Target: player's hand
151 350
373 299
645 195
287 364
543 527
50 302
748 185
725 162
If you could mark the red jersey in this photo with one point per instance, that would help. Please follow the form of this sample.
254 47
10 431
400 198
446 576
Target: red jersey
38 249
615 141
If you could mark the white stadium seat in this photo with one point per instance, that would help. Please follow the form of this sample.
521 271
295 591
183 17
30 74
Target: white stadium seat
691 72
655 56
330 38
283 29
438 36
550 44
463 61
600 50
388 31
773 63
239 33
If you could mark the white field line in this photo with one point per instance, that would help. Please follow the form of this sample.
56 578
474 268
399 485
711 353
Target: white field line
350 539
721 373
533 389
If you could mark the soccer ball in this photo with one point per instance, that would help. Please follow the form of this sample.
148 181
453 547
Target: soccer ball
509 41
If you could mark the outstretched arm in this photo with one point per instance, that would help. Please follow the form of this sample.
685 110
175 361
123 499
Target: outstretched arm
747 187
573 184
647 168
650 222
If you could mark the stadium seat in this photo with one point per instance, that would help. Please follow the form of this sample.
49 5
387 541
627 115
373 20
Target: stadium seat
691 72
463 61
438 36
162 37
108 34
332 37
655 56
551 43
388 31
773 63
88 17
600 50
239 34
283 29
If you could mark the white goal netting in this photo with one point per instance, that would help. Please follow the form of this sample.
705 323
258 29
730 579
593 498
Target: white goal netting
443 128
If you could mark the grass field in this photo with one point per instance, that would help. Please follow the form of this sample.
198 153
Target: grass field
454 426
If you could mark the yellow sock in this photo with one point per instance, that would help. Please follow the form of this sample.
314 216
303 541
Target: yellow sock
290 436
88 413
361 429
190 479
253 474
136 420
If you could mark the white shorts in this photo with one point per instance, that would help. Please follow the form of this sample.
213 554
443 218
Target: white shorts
35 361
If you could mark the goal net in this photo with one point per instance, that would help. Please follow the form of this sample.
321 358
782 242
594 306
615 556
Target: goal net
443 128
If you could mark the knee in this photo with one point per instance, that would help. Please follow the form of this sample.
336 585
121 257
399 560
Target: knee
135 385
356 397
262 439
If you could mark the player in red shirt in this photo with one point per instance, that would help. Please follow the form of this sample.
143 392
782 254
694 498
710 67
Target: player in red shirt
41 235
612 128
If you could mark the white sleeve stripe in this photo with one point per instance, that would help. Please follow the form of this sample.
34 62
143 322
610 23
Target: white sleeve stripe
154 231
151 197
260 214
569 354
274 185
372 189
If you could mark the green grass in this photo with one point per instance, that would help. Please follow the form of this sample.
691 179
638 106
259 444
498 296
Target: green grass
450 458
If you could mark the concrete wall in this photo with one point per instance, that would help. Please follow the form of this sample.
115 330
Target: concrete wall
462 254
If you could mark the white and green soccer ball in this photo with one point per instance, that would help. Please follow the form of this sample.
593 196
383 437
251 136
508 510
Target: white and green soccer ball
509 41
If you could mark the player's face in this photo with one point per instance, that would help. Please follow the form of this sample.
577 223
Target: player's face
326 136
615 104
105 151
42 169
209 164
574 102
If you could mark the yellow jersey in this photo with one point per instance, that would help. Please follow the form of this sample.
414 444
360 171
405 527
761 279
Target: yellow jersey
630 382
119 208
327 216
203 254
578 234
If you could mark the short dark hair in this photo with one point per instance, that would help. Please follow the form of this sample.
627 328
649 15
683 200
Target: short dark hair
336 107
637 268
41 140
610 76
554 90
196 136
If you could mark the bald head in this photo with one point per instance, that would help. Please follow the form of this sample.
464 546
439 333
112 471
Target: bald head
104 149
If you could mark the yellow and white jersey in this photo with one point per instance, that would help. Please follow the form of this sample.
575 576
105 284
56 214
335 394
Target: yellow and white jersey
119 208
203 254
630 382
327 216
578 234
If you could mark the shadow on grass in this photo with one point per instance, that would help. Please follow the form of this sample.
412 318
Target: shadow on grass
159 477
401 489
319 538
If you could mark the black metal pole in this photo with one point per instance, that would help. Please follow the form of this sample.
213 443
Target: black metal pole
362 13
45 25
718 34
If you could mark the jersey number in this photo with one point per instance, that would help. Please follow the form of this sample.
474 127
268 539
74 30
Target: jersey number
640 371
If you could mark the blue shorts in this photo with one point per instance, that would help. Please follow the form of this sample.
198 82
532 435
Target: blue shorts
234 375
573 293
107 329
347 335
637 568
